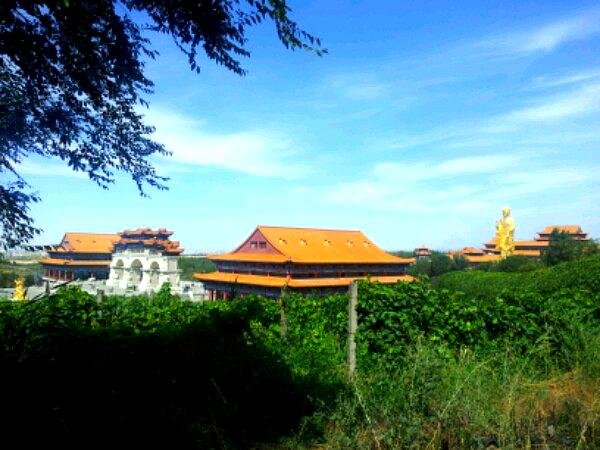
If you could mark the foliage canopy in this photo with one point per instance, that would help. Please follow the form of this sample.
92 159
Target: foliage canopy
72 78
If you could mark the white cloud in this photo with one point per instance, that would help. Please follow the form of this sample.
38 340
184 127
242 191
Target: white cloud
358 86
256 152
577 102
545 82
48 170
545 38
456 167
468 185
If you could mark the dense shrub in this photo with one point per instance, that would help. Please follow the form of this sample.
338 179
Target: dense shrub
515 365
580 274
143 372
393 317
517 263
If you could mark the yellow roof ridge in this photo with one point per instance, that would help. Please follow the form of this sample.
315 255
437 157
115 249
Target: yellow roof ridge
308 228
87 232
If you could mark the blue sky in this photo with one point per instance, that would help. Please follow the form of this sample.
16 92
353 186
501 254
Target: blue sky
424 120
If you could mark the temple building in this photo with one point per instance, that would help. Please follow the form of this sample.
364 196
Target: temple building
79 256
422 252
534 248
304 260
474 256
142 260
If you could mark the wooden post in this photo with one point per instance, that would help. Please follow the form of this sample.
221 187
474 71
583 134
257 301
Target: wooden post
352 323
283 316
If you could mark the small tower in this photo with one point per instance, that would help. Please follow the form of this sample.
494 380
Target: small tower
143 260
422 252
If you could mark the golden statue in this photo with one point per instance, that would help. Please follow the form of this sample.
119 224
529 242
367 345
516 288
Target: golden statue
505 234
19 292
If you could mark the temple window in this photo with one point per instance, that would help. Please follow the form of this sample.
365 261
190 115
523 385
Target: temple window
253 244
262 244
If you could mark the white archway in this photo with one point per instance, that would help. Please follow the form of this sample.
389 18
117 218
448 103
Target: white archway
119 269
154 269
135 272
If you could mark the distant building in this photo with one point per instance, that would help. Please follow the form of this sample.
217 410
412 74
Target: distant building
474 256
79 256
534 248
422 252
303 260
143 260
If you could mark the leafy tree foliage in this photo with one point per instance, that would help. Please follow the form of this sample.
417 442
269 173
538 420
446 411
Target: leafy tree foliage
72 78
517 263
441 263
563 247
437 264
422 266
460 262
189 266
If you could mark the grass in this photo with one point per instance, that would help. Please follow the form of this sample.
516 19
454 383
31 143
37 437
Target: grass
470 400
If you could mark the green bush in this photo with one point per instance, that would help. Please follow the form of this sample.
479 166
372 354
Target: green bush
144 372
435 367
581 274
517 263
393 317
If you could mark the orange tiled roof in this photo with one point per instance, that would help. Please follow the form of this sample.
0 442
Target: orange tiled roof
86 243
467 251
482 258
492 242
279 282
532 244
151 238
147 231
572 229
527 252
472 250
310 245
69 262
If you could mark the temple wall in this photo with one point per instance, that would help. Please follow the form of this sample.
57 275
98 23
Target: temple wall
142 270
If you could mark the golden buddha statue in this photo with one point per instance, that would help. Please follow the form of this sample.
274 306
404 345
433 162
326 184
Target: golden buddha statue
19 292
505 234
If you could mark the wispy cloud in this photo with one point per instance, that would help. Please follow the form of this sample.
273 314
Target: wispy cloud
581 101
357 86
48 170
470 185
457 167
544 38
546 81
256 152
530 124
